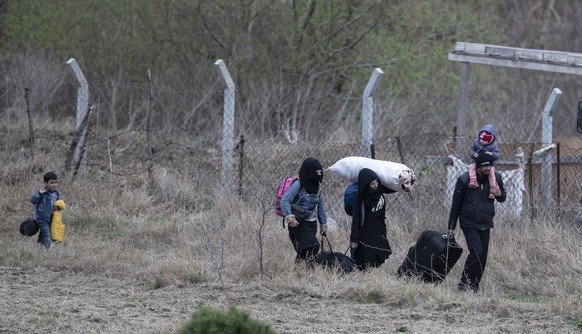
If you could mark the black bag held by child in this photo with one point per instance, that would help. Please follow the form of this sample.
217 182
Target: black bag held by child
28 227
335 260
432 257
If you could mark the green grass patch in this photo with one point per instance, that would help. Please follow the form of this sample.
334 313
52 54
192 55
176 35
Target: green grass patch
373 297
402 329
209 320
195 278
527 298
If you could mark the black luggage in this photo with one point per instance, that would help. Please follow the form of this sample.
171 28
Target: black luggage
335 260
28 227
432 257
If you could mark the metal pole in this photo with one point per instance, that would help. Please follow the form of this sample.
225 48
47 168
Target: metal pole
368 113
530 182
82 101
227 125
558 172
241 144
546 170
462 110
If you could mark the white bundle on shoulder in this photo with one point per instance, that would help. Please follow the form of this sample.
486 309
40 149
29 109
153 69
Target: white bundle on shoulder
393 175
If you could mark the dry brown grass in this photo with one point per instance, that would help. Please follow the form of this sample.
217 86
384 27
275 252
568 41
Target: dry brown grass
140 259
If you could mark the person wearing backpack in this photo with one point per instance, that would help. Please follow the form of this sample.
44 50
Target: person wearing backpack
368 240
302 206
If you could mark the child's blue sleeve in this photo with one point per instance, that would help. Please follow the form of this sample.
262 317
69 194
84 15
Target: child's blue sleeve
473 149
35 199
495 151
288 198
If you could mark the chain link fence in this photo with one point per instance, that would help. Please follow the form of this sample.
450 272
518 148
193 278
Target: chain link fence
289 126
264 164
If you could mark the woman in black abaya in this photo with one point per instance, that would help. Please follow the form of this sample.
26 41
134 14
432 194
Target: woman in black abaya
370 246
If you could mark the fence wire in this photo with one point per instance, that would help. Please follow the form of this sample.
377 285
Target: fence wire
283 127
264 164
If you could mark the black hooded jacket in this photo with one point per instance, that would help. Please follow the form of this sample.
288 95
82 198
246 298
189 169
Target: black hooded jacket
362 211
369 223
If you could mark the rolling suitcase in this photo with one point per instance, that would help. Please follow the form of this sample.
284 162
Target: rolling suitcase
432 257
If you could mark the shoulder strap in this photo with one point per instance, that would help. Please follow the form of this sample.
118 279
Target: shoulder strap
298 196
465 178
300 185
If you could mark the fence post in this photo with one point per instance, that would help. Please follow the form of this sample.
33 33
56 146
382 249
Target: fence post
227 126
241 146
546 170
462 110
558 176
368 112
530 182
30 126
82 103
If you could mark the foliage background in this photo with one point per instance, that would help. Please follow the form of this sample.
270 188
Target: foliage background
294 63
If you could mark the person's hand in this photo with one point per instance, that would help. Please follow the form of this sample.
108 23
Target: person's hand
322 229
488 153
354 245
291 221
42 190
475 155
495 191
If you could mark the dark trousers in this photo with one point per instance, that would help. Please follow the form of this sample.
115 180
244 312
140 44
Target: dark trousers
366 256
44 234
478 245
304 240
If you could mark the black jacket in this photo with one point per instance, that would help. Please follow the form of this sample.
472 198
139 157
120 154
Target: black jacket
472 207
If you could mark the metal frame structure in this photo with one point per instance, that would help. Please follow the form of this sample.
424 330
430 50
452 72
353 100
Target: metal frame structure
530 59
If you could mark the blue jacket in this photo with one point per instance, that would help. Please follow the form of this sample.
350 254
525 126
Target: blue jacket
492 147
308 201
44 205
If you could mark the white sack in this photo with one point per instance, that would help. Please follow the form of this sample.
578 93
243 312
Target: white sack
393 175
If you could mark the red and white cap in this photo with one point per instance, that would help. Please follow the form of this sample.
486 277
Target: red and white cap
486 136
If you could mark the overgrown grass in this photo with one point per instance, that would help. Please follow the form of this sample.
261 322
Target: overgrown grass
161 235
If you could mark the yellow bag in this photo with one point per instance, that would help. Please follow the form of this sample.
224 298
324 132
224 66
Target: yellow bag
57 226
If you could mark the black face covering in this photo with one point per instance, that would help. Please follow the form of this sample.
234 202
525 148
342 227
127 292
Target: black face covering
369 197
308 176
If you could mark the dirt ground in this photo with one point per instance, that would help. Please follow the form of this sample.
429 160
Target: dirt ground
38 301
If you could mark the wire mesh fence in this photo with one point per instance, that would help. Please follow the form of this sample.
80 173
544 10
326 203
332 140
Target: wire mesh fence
264 164
282 127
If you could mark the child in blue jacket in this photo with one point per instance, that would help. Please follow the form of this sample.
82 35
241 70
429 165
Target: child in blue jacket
44 202
486 143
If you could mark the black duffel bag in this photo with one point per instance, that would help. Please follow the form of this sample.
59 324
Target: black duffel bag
335 260
29 227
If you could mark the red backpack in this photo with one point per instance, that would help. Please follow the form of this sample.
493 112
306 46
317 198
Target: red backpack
283 187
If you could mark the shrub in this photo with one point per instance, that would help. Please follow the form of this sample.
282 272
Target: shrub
207 320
